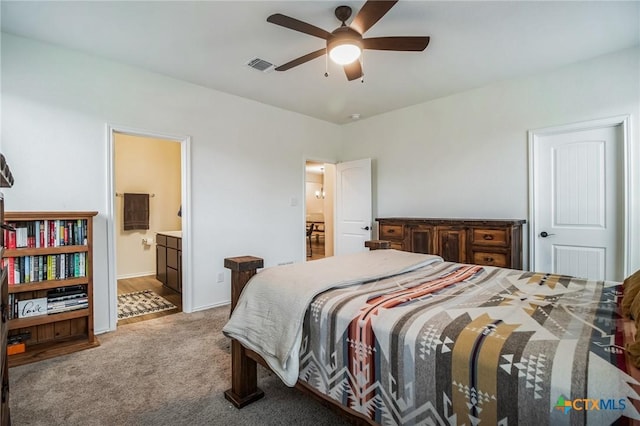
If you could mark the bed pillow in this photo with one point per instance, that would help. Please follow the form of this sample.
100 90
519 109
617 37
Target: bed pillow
631 307
631 288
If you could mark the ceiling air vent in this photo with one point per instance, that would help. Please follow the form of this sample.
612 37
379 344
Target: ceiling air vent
261 65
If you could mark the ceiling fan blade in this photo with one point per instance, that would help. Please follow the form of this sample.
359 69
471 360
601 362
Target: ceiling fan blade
371 13
409 44
302 59
296 25
353 70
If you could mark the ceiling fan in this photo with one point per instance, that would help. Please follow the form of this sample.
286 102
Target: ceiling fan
344 45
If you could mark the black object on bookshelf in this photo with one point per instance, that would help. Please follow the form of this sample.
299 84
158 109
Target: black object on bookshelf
6 178
18 338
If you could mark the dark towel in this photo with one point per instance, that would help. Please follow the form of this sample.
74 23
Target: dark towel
136 211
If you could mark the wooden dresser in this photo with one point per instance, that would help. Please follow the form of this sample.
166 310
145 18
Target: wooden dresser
478 241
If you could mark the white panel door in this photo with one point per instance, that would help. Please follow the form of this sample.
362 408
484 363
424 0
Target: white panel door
353 206
578 223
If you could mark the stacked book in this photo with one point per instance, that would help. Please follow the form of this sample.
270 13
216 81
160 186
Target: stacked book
65 299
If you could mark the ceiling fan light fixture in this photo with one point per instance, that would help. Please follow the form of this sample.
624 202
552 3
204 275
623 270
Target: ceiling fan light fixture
344 54
345 46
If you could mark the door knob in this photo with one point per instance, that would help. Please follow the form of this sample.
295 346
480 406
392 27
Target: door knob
366 228
545 234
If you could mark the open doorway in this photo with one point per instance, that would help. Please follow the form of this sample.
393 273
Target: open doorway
156 167
319 209
147 178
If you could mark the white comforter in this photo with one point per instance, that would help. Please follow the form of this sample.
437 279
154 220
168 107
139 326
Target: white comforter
269 315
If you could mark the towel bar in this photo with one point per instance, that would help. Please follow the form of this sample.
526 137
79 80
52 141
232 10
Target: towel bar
120 194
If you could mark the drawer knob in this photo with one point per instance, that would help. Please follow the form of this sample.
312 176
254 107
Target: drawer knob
488 259
487 237
391 231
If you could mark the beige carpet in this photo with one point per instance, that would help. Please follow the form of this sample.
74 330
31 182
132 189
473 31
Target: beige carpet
167 371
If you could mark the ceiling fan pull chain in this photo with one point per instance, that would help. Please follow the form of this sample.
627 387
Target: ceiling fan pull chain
362 66
326 64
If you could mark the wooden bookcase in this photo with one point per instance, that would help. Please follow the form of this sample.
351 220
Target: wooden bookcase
53 334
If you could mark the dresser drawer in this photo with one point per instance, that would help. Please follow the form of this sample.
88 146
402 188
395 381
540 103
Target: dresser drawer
489 237
490 259
391 232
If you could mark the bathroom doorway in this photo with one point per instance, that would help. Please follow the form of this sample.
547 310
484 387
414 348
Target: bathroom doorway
147 168
151 168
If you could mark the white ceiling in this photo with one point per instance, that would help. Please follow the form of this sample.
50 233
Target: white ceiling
473 43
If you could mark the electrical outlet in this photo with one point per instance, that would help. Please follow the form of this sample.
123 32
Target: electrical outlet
220 277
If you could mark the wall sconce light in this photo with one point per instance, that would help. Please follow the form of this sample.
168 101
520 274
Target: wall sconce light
320 193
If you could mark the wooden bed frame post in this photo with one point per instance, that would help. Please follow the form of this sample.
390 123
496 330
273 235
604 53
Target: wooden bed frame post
244 379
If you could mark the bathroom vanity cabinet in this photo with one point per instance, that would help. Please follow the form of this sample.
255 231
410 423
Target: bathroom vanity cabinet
169 259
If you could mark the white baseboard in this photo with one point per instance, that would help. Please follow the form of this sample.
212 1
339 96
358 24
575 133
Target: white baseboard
136 275
210 306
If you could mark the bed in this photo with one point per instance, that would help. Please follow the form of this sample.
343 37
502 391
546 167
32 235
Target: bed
398 338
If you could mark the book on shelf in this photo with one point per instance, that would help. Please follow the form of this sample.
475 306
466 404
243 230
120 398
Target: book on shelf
9 264
67 308
61 297
10 238
68 302
66 293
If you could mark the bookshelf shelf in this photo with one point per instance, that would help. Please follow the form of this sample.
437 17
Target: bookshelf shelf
46 285
47 350
56 265
19 323
43 251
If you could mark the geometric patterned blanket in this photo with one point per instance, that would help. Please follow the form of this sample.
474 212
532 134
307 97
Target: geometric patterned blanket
455 344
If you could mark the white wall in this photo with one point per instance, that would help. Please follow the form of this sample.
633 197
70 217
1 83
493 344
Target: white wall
56 104
466 155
